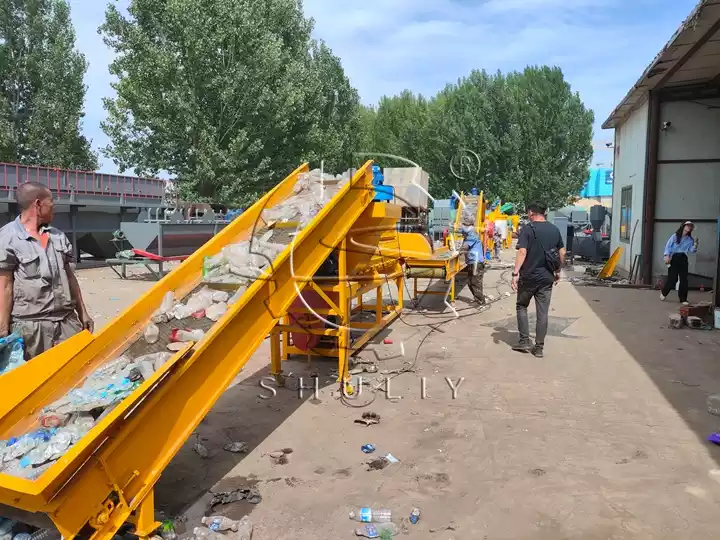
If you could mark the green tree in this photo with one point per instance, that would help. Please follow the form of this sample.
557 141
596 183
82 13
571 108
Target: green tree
228 96
41 86
523 137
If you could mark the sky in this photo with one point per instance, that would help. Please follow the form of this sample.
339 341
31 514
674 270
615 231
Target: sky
387 46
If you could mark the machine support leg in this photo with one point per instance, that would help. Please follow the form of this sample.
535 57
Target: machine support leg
285 339
415 289
400 299
275 355
344 316
378 305
452 290
144 518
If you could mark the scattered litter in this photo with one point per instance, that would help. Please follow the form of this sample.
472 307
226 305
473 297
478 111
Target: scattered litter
377 530
387 341
236 447
280 457
507 294
200 449
364 368
377 464
368 419
449 527
167 530
391 458
713 404
220 523
175 347
714 438
415 516
367 448
676 321
249 494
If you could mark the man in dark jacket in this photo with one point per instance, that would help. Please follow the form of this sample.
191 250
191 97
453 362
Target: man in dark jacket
533 277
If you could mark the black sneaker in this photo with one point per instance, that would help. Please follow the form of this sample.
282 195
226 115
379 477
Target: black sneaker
523 347
537 352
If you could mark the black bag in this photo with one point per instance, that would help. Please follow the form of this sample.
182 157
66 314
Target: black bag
552 255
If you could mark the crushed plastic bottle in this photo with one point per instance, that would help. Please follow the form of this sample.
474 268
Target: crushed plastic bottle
220 523
151 333
220 296
377 530
216 311
183 336
371 515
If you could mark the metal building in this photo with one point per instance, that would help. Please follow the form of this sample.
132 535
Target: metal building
667 151
89 206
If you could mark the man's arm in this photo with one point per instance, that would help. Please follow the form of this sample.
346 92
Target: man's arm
82 311
6 301
75 292
520 256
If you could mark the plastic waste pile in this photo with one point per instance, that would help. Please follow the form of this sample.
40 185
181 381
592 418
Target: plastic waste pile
12 352
65 421
242 263
469 214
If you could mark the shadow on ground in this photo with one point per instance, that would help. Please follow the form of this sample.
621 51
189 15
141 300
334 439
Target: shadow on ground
683 364
240 415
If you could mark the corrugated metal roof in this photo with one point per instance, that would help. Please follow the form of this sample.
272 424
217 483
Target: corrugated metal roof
689 58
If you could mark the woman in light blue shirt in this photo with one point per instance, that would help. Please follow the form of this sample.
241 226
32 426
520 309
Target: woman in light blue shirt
676 257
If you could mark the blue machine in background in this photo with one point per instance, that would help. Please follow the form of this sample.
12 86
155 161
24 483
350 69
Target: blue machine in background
383 193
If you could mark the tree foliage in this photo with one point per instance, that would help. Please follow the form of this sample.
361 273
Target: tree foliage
41 86
523 137
226 95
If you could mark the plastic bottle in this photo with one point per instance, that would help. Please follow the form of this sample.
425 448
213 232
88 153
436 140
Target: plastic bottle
372 515
379 530
415 516
201 533
6 526
220 523
22 536
182 336
152 333
216 311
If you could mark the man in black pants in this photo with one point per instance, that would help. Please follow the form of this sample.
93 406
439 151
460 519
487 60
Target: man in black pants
533 277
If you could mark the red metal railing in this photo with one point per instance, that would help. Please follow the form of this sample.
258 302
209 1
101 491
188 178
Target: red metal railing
82 182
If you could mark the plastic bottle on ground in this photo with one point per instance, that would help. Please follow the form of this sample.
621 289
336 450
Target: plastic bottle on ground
371 515
220 523
377 530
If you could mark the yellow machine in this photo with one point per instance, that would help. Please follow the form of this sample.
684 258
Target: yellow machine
447 262
107 477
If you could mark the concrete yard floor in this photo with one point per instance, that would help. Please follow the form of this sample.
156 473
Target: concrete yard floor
601 439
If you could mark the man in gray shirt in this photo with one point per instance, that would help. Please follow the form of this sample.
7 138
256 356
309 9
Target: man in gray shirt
40 297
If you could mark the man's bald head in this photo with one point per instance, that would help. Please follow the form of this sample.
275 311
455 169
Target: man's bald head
29 192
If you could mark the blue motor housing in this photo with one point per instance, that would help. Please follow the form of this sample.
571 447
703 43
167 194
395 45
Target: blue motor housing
383 193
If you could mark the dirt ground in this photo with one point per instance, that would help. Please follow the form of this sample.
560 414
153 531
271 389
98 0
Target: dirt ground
604 438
